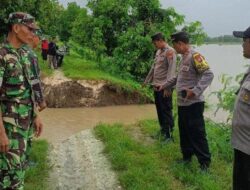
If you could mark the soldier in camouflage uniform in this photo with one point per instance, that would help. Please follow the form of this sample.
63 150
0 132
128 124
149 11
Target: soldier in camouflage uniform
37 94
38 97
17 107
194 76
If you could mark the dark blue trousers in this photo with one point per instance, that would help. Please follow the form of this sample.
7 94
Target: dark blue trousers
192 131
164 108
241 171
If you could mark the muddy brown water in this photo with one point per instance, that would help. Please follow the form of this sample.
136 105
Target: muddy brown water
61 123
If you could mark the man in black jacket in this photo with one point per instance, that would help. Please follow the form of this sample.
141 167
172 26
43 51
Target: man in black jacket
52 60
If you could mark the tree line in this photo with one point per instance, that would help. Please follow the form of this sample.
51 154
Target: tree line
223 39
117 31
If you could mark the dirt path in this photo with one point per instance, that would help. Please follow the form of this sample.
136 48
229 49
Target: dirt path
79 164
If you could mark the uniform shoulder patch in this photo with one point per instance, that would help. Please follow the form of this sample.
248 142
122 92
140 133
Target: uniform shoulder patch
200 63
170 54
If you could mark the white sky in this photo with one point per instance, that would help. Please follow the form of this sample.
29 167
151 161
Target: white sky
218 17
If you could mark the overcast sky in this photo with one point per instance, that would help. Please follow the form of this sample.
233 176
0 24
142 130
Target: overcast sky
218 17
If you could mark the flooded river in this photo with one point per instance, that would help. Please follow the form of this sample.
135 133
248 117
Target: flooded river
62 123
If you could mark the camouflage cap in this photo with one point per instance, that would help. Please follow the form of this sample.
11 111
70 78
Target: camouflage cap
39 33
22 18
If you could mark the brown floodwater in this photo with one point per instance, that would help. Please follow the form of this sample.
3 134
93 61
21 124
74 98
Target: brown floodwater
61 123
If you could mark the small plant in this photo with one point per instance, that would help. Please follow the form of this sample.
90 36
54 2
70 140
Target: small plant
226 95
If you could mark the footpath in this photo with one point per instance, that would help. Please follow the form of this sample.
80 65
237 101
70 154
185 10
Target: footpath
78 163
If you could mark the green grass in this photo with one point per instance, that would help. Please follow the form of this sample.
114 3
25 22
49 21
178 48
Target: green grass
36 177
76 67
43 65
143 163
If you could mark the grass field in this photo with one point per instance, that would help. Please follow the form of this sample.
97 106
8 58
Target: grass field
144 163
36 177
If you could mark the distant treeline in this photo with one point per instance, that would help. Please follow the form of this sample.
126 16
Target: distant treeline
223 39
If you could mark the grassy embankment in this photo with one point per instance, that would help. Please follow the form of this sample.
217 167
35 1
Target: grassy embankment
78 66
144 163
36 177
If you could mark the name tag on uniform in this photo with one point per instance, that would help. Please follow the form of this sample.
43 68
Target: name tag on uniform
185 68
161 59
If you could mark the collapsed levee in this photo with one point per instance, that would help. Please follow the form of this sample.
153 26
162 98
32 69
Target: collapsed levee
61 92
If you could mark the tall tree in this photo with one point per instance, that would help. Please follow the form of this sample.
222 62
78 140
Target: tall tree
67 19
112 18
46 13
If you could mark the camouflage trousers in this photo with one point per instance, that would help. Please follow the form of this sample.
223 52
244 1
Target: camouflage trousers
13 164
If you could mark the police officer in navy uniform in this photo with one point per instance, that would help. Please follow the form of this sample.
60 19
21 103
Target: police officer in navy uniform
162 72
194 76
241 123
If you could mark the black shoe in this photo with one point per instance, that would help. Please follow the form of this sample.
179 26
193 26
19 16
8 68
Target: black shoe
158 136
184 161
167 140
204 168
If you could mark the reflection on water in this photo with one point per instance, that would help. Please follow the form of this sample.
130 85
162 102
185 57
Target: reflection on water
62 123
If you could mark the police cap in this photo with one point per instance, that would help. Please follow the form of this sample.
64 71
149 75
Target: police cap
22 18
242 34
158 36
180 36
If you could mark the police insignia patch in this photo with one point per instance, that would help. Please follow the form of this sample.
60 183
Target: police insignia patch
200 63
170 54
246 98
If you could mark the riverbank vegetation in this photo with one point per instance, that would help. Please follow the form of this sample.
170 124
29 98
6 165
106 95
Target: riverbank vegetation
144 163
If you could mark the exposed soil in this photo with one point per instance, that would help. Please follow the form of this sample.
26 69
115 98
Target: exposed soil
61 92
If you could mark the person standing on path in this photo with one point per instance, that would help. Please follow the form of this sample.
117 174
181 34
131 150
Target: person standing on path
45 48
35 78
161 73
241 123
17 108
36 86
193 78
52 59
